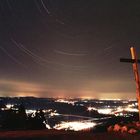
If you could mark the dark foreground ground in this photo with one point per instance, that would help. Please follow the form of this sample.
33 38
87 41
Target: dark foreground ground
63 135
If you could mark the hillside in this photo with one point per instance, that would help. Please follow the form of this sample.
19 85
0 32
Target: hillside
63 135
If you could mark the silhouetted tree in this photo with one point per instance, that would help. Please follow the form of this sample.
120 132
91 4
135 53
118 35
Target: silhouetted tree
15 119
38 121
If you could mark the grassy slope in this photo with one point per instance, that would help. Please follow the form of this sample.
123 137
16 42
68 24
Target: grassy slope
62 135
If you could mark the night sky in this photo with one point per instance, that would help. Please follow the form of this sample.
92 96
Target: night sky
68 48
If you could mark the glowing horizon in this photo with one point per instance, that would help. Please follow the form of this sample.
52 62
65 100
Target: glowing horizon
16 88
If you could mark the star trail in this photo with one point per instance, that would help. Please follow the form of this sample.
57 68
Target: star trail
51 48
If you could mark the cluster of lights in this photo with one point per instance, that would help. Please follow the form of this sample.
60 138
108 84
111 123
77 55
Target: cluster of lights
54 114
105 111
65 101
30 111
49 111
112 111
8 106
131 109
101 110
91 108
75 125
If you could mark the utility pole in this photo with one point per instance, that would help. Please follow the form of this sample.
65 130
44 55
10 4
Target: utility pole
135 62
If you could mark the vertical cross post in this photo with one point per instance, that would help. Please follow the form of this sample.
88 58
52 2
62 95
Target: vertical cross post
136 74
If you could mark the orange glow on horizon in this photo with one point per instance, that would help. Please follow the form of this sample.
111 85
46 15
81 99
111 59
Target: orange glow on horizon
22 88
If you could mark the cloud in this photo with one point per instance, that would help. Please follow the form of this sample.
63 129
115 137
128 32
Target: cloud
99 89
20 88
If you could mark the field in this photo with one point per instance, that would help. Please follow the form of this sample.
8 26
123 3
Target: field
65 135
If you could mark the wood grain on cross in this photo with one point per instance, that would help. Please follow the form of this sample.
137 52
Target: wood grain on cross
135 62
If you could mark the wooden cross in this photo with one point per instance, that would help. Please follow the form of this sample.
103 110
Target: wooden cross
135 62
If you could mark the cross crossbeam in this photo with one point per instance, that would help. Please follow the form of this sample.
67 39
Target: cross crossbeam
128 60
